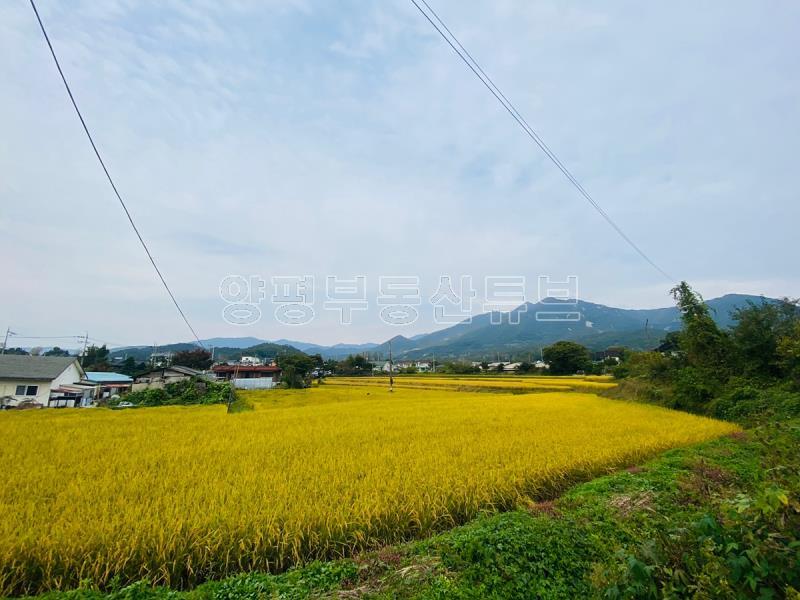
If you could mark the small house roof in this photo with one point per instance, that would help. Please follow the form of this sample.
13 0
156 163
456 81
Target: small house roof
107 377
245 369
37 368
185 370
176 368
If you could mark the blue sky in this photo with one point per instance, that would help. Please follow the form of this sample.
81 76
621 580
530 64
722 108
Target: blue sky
283 138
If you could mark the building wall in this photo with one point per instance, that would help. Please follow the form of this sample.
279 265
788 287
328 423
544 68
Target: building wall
8 387
150 385
255 383
70 375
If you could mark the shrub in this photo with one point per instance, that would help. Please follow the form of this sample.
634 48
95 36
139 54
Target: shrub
748 402
188 391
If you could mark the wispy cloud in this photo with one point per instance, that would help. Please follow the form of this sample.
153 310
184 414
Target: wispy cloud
298 137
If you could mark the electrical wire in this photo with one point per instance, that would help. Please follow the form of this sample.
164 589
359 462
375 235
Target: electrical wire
110 180
476 69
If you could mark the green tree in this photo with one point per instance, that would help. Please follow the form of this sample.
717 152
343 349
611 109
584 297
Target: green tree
56 351
758 332
96 358
788 352
704 345
198 358
670 343
129 366
457 368
296 369
17 351
706 353
354 365
567 358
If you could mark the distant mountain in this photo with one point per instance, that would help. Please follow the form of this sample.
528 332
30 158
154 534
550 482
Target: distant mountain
529 327
233 342
594 325
262 349
335 351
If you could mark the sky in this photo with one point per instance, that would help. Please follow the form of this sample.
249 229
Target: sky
297 138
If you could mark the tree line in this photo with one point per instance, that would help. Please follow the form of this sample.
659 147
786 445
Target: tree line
753 367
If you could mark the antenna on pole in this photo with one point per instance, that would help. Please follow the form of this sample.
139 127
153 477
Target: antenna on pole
85 343
5 342
391 368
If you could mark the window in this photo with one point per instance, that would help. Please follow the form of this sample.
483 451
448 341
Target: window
29 390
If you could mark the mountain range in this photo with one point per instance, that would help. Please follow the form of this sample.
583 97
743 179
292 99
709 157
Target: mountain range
520 333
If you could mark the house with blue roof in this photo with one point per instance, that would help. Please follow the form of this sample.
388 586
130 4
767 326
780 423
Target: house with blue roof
108 383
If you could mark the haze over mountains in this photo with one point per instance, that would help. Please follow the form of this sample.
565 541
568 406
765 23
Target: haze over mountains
525 330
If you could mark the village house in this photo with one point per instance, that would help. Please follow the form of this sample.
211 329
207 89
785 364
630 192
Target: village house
252 361
108 383
158 378
249 377
43 381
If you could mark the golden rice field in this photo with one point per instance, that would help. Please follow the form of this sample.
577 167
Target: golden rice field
517 383
178 495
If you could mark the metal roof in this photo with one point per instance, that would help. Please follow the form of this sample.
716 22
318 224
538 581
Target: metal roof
107 377
245 369
39 368
176 368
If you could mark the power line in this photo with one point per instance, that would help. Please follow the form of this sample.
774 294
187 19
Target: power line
46 337
110 180
473 65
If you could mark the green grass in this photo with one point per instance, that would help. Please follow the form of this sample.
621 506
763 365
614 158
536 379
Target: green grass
717 520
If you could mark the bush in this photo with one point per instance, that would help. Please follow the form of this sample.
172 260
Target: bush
746 402
695 388
650 365
189 391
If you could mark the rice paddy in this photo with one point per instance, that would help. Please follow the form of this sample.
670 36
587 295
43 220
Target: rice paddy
178 495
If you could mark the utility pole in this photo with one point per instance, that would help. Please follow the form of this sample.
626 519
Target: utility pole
5 342
434 362
391 368
85 343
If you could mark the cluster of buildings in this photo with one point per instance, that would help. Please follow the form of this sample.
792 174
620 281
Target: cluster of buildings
54 381
383 366
422 366
60 382
510 367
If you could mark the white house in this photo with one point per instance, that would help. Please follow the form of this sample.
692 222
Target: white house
158 378
252 361
42 381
